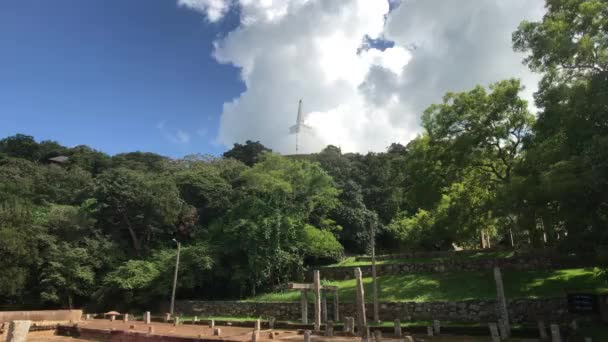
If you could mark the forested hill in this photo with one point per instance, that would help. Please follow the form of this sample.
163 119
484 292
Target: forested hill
79 227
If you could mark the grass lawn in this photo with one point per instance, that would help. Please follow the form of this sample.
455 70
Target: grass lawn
462 286
350 261
219 318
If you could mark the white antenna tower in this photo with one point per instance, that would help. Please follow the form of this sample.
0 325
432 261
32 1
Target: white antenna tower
299 126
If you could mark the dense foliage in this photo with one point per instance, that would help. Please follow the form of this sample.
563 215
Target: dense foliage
93 229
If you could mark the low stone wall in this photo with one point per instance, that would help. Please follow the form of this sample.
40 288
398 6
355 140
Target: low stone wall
520 263
520 310
41 315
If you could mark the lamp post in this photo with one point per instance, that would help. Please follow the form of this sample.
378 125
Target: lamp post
175 277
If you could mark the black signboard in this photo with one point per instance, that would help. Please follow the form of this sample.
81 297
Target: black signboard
583 303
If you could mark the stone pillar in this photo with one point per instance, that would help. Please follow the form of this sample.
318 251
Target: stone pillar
112 318
555 334
397 328
258 325
317 289
574 325
336 306
437 327
147 318
217 332
271 321
255 336
542 330
429 330
306 335
167 317
18 330
494 332
324 306
348 328
176 321
195 319
378 335
502 328
304 306
211 324
360 303
125 317
329 329
503 312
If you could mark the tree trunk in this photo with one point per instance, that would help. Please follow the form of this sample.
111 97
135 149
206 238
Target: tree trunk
134 239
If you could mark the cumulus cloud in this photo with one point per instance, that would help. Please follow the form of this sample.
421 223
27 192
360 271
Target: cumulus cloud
177 136
213 9
355 95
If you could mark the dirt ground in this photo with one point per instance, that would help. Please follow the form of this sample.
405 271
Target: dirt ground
227 332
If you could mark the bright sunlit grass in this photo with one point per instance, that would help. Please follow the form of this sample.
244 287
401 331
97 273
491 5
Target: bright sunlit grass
463 286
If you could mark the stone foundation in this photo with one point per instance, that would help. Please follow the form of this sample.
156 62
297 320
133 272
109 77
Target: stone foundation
520 310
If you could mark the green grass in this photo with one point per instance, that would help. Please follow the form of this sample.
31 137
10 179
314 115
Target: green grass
220 318
462 286
351 261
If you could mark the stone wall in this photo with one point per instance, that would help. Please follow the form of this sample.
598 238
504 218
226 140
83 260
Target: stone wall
520 263
41 315
520 310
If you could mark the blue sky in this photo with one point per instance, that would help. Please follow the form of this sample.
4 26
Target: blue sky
127 75
115 75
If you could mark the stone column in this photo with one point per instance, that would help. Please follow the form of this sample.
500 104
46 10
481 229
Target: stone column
304 306
555 334
437 327
502 328
306 335
503 312
360 303
125 317
147 318
258 325
429 330
167 317
212 324
18 330
336 307
195 319
397 328
217 332
329 329
494 332
542 330
378 335
317 289
324 306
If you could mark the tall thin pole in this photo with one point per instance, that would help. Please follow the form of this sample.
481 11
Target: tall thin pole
375 281
175 278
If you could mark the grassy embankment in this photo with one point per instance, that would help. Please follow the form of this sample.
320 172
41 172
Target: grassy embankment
463 285
351 261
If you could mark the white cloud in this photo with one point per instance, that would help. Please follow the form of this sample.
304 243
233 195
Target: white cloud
175 136
181 137
213 9
359 99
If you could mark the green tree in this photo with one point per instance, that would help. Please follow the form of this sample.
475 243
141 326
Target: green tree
565 156
248 153
137 207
